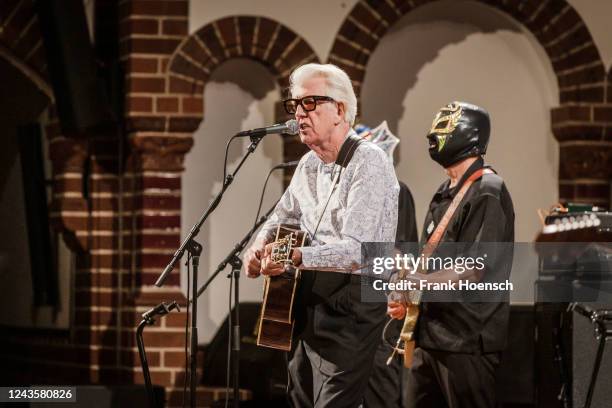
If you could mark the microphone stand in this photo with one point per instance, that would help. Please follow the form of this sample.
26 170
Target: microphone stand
233 258
148 319
144 363
601 320
194 248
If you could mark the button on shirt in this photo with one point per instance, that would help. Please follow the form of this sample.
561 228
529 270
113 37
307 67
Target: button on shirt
362 207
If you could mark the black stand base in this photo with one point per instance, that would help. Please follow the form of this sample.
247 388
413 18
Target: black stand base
602 324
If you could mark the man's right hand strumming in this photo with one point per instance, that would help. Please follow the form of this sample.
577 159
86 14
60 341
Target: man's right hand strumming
252 260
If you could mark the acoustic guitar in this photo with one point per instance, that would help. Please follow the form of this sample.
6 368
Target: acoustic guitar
275 328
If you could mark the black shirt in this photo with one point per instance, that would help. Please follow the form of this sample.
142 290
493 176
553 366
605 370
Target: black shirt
406 218
485 215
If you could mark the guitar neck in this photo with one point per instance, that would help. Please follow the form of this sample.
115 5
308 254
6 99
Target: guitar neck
415 296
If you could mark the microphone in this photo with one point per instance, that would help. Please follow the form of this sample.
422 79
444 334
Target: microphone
160 310
287 165
290 127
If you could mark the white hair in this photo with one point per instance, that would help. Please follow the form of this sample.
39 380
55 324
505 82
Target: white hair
338 85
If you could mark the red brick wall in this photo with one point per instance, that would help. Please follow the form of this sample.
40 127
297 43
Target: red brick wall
149 31
165 73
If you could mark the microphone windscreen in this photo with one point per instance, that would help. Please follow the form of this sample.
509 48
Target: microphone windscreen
292 127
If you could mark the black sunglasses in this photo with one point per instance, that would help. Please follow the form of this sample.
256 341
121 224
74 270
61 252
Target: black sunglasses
308 103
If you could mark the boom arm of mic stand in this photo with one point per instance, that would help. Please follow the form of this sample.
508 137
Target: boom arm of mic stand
238 248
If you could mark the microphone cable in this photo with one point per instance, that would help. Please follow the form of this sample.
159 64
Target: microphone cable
263 191
227 145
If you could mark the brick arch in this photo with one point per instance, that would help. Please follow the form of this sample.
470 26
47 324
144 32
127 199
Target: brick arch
581 123
554 23
261 39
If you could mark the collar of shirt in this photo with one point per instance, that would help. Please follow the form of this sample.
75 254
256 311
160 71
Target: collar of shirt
329 168
445 192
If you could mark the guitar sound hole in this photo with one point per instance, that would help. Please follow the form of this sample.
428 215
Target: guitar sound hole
289 272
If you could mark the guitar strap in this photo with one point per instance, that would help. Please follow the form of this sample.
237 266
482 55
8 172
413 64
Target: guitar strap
434 239
344 157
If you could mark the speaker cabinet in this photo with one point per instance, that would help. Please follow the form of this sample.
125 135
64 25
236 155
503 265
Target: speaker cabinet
575 335
584 351
515 375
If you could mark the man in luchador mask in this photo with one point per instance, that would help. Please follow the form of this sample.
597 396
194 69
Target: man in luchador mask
459 343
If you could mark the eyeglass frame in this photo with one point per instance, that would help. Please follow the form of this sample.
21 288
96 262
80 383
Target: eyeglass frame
316 99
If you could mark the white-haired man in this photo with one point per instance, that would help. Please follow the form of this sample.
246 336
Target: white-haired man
344 192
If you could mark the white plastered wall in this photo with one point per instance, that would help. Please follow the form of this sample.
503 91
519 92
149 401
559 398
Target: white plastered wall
443 52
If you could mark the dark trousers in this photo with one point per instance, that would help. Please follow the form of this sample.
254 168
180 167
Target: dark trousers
316 382
453 380
385 383
337 336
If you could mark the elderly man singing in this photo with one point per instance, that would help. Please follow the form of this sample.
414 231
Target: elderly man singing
344 192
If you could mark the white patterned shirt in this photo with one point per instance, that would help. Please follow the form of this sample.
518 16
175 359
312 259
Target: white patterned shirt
362 208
